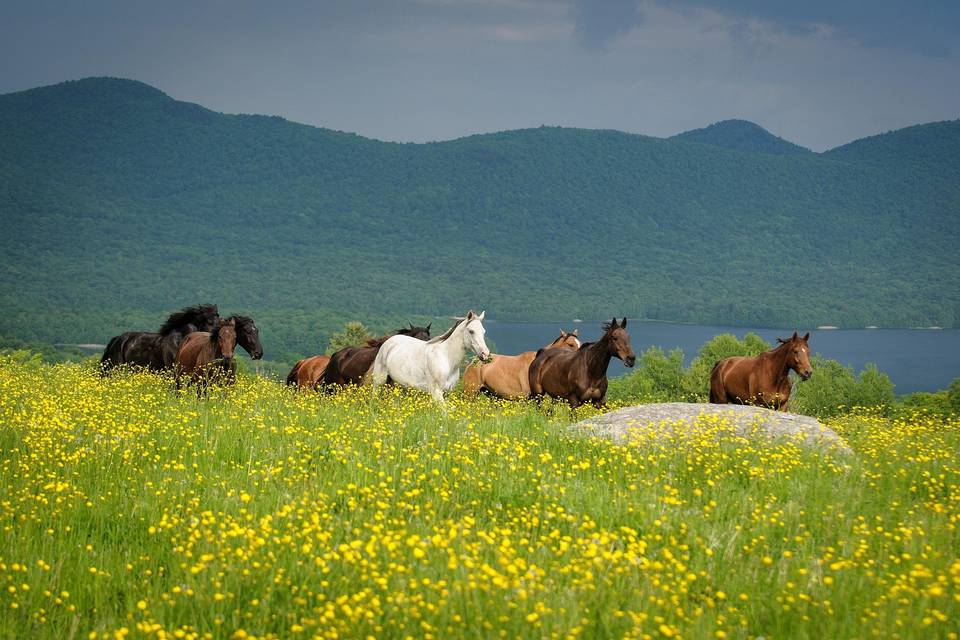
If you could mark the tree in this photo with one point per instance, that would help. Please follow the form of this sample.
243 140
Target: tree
353 334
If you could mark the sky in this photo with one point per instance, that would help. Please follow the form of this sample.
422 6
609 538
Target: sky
817 72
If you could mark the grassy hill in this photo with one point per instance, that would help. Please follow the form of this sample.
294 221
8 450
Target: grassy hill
119 203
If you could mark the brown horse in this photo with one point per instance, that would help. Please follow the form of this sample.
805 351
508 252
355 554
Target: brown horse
307 372
509 376
350 364
207 356
762 380
581 376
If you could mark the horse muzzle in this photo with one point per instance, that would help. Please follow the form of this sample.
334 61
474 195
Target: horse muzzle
630 361
806 375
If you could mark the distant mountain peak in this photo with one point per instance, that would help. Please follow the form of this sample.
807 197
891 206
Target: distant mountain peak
96 89
744 136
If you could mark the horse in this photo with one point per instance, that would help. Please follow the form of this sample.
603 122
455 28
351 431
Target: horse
581 376
199 352
350 364
509 376
248 335
308 372
762 380
432 366
156 350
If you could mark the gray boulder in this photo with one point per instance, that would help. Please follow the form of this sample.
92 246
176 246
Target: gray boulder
743 420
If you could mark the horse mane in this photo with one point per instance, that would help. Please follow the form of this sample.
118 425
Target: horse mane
188 315
378 342
240 320
447 333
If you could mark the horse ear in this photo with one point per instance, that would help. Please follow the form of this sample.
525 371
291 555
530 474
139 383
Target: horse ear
794 336
563 334
806 336
470 315
624 323
482 315
428 326
575 332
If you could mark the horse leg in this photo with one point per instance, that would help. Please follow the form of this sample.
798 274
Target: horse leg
574 401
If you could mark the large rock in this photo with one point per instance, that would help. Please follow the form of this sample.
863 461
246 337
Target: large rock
651 419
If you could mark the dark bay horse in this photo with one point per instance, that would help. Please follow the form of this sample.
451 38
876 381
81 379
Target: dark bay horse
207 356
156 350
248 335
761 380
350 365
581 376
509 376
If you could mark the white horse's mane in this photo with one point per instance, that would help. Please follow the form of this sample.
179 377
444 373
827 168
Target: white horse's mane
449 332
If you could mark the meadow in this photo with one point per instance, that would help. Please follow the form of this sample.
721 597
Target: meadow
128 510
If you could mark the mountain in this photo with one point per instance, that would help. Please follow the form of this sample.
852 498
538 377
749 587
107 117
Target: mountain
744 136
119 203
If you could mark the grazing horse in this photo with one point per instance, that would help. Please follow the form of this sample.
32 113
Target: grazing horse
308 372
351 364
432 366
156 351
509 376
581 376
762 380
200 351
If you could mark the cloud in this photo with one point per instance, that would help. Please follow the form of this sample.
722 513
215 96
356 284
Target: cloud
598 22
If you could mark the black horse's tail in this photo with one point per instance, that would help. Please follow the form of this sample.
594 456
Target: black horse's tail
113 354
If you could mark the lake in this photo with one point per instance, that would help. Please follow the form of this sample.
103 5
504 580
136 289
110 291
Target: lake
915 359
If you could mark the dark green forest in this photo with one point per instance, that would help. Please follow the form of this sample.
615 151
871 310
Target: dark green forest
119 204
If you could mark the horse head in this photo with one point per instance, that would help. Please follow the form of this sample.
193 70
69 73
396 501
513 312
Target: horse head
616 334
798 354
225 336
473 333
248 336
420 333
566 340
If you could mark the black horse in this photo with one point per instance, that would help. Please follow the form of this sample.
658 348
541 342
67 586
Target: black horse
156 351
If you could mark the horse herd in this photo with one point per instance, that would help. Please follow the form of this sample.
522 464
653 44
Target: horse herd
196 344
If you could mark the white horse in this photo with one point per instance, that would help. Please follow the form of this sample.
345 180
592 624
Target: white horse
432 366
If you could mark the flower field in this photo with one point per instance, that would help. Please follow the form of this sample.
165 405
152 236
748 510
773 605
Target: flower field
127 510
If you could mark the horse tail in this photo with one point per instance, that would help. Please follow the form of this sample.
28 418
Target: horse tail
292 376
113 354
472 379
718 394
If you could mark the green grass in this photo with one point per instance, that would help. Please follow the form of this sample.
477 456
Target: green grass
263 512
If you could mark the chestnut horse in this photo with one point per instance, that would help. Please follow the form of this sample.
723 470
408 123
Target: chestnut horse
207 356
509 376
581 376
307 372
350 364
761 380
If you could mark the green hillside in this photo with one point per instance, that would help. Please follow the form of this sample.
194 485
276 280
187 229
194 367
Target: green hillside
742 135
119 203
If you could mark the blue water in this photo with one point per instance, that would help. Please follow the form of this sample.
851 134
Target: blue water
915 359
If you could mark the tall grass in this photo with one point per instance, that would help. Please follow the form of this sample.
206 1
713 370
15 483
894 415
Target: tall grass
127 509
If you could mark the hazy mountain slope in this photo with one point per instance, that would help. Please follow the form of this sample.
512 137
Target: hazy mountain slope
119 199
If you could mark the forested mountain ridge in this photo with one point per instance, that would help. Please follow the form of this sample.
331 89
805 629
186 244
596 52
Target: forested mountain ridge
742 135
119 202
